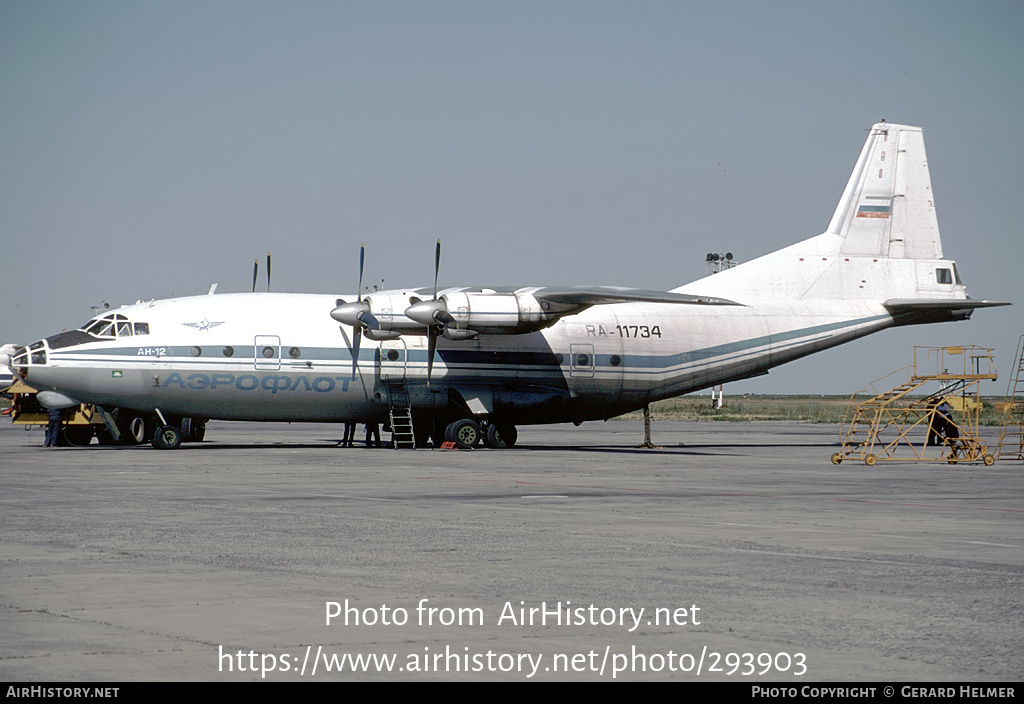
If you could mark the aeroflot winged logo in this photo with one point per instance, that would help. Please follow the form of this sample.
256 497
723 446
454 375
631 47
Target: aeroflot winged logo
203 324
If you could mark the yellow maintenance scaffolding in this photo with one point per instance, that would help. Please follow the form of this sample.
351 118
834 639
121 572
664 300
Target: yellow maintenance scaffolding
911 423
1011 440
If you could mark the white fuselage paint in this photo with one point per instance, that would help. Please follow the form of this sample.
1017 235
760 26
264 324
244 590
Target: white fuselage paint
606 360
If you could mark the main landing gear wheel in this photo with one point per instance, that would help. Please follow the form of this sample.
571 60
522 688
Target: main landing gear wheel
836 458
75 435
133 429
501 436
464 433
989 460
193 429
167 437
870 460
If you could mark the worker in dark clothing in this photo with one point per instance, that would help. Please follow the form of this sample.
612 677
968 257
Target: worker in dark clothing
350 435
372 434
946 425
53 427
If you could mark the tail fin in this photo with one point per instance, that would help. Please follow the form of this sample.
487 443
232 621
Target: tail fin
887 208
881 244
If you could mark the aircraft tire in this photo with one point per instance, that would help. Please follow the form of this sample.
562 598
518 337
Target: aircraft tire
76 435
465 433
193 429
132 427
167 437
501 436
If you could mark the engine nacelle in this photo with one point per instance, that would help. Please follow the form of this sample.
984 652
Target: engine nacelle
389 310
499 313
386 313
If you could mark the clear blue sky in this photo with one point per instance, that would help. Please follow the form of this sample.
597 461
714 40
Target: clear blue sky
152 148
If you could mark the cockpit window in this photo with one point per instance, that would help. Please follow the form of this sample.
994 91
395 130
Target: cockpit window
943 276
956 275
114 325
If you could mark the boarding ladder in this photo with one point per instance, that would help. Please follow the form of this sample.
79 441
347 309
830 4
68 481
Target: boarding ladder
400 412
1011 440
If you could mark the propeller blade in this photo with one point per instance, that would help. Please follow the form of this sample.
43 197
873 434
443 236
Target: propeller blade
353 347
268 271
362 256
356 337
366 318
255 269
437 265
431 347
443 317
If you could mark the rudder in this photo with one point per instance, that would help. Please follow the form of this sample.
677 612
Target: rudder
887 209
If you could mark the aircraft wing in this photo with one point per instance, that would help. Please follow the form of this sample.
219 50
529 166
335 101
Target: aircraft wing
463 313
599 295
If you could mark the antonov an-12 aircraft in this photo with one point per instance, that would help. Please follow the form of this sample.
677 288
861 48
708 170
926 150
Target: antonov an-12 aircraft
466 364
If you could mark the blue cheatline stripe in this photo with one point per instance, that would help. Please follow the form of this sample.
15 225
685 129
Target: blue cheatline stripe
488 361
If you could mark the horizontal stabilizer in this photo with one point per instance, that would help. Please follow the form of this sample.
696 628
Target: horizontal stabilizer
906 311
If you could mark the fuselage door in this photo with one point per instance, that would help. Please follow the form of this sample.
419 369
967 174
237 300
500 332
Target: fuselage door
392 359
582 361
267 354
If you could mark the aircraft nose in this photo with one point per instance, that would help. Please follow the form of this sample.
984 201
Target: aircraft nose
34 355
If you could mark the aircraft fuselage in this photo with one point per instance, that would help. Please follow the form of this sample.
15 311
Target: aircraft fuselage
281 357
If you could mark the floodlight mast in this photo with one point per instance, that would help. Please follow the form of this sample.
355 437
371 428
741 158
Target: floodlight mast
716 262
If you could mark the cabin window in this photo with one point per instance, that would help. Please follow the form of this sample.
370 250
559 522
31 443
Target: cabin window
196 351
114 325
944 276
295 352
268 352
228 351
615 360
